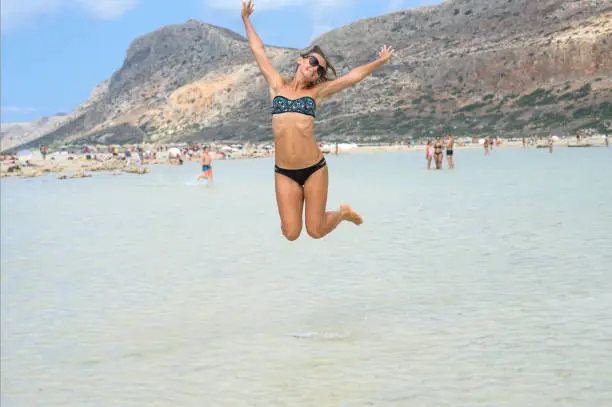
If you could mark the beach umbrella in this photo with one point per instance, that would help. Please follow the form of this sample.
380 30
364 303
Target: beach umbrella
24 155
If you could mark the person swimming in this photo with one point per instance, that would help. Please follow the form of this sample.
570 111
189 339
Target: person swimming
301 172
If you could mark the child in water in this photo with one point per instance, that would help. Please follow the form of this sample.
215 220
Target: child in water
429 154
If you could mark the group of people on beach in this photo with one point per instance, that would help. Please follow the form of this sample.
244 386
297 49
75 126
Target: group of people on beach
434 151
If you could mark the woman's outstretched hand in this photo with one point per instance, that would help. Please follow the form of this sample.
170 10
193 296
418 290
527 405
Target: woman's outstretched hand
247 8
385 53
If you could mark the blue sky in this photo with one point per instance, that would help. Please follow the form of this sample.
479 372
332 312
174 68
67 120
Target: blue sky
54 52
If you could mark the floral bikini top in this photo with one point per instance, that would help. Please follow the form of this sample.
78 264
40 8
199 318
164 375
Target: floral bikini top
304 105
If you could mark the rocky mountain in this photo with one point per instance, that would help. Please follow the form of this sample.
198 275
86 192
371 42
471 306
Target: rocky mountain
504 67
16 134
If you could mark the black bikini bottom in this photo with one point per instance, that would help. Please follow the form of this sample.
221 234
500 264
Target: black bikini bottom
300 176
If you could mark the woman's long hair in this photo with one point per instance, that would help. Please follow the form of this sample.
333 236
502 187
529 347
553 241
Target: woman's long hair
323 78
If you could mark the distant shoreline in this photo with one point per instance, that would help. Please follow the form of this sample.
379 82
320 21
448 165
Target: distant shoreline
78 166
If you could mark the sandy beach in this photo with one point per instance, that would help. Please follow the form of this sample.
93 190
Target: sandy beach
69 165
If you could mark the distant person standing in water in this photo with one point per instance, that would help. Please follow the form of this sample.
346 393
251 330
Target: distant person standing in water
429 154
550 144
205 164
486 146
438 153
449 151
301 173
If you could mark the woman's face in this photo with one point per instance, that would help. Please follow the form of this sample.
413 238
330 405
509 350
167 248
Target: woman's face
309 71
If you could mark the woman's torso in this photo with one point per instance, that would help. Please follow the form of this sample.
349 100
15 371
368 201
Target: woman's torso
294 141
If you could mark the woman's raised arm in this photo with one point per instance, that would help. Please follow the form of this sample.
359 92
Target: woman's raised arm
328 88
273 78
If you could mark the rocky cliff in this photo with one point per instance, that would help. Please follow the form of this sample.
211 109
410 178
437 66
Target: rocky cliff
505 67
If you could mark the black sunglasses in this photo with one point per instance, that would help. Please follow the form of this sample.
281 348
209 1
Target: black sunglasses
315 62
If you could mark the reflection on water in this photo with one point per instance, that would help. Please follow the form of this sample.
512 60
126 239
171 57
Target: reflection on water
489 285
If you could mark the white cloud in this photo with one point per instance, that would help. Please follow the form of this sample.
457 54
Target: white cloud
317 10
18 12
15 12
108 9
397 5
263 5
17 109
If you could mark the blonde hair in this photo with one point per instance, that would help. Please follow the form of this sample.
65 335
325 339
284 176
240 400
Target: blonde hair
323 78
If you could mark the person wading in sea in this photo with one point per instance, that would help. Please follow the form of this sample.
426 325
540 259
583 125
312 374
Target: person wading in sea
205 165
449 151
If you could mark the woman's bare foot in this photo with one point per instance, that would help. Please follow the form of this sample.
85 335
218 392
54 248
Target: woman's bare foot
350 215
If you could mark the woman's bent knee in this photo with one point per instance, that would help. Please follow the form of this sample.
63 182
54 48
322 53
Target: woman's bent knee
315 233
291 233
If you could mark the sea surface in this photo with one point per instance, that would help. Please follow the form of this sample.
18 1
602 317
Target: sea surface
489 285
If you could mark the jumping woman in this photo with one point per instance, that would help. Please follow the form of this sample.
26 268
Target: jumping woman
301 173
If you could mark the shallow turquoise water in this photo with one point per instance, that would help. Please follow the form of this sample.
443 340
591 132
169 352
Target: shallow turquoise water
486 286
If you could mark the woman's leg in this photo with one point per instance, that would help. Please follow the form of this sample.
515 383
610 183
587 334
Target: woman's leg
319 222
290 201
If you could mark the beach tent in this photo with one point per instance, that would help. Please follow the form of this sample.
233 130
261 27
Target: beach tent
174 152
325 148
346 146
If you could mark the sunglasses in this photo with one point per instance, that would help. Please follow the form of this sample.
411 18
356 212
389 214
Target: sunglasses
315 62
